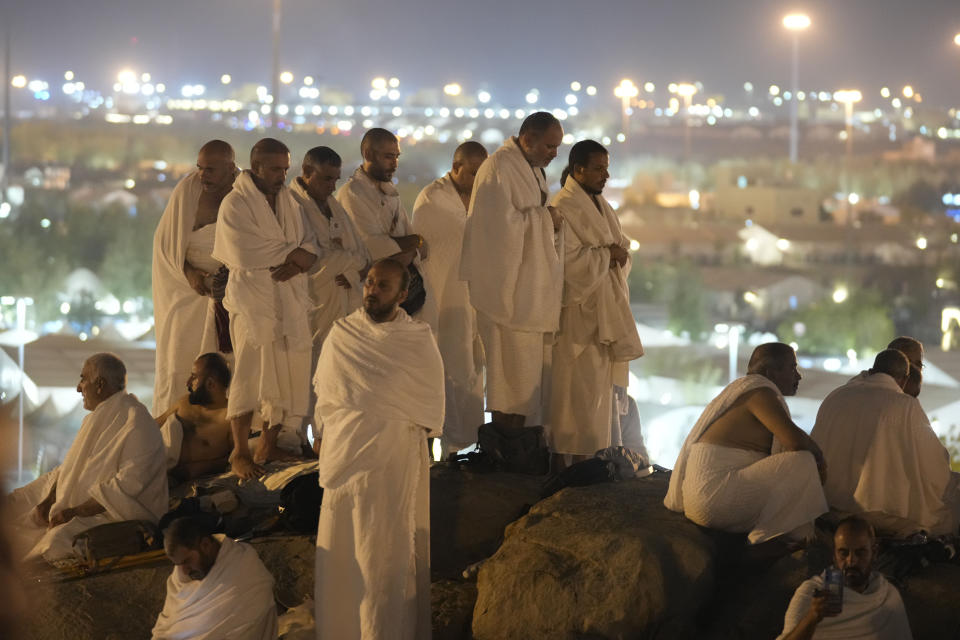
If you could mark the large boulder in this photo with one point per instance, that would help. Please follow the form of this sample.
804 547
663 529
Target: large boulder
605 561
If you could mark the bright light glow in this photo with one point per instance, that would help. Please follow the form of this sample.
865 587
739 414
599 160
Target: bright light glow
308 80
921 243
452 89
286 77
575 86
129 306
908 92
126 76
570 99
832 364
65 308
941 283
18 82
531 98
393 94
686 90
45 223
225 78
752 244
649 87
397 112
394 83
621 137
956 39
840 294
591 90
774 90
626 90
885 92
634 245
753 112
853 198
484 97
129 183
5 209
568 138
694 197
848 96
750 297
783 244
896 103
379 83
796 21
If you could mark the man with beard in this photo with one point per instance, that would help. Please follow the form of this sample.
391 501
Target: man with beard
189 316
598 335
373 203
380 393
512 261
746 467
870 607
218 588
196 432
264 241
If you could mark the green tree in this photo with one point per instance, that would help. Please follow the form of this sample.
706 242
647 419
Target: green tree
861 323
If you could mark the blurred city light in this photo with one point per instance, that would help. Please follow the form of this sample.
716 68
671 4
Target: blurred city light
18 81
840 294
225 78
452 89
796 21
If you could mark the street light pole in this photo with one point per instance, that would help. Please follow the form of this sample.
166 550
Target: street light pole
795 23
275 78
5 178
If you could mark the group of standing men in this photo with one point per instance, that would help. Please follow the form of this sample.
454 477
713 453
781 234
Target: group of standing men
488 269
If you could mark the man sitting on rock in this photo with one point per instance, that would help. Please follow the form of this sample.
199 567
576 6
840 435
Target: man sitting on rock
870 607
886 461
196 432
218 589
746 467
114 470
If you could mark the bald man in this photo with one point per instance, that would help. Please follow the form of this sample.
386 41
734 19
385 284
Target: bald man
746 467
187 279
439 216
913 349
374 205
886 461
264 241
379 387
512 262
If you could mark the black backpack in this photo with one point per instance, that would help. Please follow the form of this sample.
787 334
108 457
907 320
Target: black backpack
515 449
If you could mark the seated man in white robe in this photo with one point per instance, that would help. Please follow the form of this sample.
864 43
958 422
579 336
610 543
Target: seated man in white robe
184 273
264 241
114 470
598 335
379 387
218 589
374 204
439 215
512 261
195 430
886 462
746 467
913 349
335 279
870 607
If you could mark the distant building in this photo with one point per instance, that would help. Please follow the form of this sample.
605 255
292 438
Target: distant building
756 296
766 204
916 149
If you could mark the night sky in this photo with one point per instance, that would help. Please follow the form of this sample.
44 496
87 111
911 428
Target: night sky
507 46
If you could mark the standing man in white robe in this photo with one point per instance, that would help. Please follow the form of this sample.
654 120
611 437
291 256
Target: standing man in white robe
115 469
184 270
218 589
514 269
263 239
871 609
380 394
439 216
746 467
886 462
373 203
598 336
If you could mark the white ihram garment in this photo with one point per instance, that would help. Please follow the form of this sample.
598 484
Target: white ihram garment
514 273
117 459
598 335
269 326
380 394
876 614
379 216
439 216
741 491
883 456
234 600
183 319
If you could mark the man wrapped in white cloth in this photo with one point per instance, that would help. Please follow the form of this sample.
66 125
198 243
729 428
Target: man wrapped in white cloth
218 590
264 241
374 204
886 462
440 215
514 269
746 467
183 271
870 607
115 469
598 335
379 386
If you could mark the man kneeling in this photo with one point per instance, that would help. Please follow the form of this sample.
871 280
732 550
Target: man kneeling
196 432
219 588
746 467
867 607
